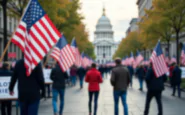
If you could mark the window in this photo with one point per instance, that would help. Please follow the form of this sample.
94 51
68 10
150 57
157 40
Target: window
10 24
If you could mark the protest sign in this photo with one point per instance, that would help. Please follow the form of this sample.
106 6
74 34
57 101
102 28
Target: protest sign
47 73
4 91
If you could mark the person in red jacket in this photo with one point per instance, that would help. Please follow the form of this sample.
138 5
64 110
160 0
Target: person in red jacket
93 77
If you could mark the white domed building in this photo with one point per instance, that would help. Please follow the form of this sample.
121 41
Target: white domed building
104 43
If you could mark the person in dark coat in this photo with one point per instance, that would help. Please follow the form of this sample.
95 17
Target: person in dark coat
131 71
58 77
172 66
30 88
155 87
140 72
6 106
81 73
176 80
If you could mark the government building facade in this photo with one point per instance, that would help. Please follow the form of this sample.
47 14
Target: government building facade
104 43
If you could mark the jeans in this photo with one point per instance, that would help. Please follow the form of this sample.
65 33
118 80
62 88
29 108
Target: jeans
61 92
141 83
123 95
178 88
81 82
28 108
6 107
150 95
73 80
96 94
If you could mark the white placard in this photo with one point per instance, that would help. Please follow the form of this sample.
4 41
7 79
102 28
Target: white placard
4 91
47 73
183 72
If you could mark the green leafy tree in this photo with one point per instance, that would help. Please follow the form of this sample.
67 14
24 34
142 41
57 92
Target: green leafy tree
173 12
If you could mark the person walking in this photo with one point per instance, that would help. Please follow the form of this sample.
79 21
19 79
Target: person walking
94 78
73 74
120 79
131 71
81 73
30 88
140 72
176 80
172 66
155 87
6 106
58 77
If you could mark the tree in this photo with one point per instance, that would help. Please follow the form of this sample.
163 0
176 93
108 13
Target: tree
129 44
174 13
156 27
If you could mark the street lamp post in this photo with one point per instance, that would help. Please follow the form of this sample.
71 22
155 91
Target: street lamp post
4 6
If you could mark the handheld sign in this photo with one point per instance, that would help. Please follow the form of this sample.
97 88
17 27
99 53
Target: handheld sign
4 91
47 73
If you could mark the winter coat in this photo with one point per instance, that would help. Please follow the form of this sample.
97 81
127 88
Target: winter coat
154 83
120 78
176 76
93 77
58 77
29 87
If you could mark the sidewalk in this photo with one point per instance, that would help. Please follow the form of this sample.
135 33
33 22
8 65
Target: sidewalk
76 102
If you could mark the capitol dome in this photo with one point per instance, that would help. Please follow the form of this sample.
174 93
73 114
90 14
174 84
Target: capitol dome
104 23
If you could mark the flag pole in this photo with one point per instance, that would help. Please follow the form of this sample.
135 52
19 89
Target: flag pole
5 50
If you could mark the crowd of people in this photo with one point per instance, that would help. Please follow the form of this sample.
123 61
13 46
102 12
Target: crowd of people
31 89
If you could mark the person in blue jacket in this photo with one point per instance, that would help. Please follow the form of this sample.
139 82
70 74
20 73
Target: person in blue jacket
6 106
176 80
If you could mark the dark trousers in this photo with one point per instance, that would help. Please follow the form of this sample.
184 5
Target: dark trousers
81 81
48 89
6 107
178 88
150 95
28 108
96 94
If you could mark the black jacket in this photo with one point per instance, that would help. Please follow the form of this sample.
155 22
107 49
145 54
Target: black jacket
81 72
58 77
28 87
154 83
176 76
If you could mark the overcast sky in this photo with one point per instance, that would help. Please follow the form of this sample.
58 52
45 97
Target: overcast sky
120 12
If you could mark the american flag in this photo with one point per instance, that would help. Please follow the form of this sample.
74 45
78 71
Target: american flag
158 61
78 58
35 35
63 54
139 59
123 61
173 60
126 60
131 59
85 60
183 55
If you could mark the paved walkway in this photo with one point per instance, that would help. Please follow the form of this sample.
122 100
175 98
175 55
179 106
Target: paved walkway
76 102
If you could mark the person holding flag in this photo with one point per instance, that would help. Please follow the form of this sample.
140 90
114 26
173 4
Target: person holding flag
155 78
35 36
